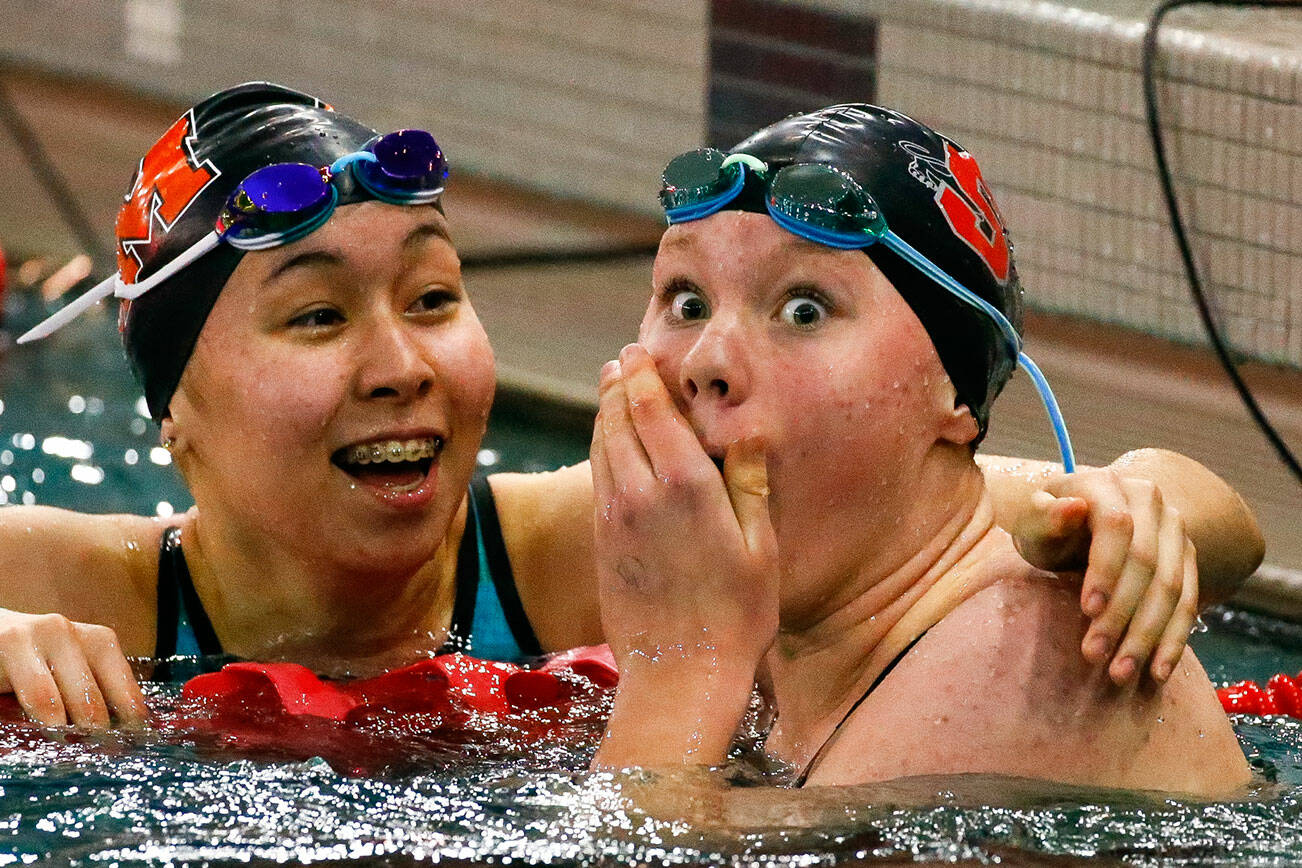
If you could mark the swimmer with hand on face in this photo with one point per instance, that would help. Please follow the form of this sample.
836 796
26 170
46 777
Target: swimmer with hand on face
848 553
319 375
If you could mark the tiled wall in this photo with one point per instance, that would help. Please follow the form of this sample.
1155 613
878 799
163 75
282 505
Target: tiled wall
575 96
1049 98
589 97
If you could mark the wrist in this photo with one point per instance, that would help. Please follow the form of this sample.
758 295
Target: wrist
676 709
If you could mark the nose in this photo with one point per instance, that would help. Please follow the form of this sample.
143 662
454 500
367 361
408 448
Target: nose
393 364
717 367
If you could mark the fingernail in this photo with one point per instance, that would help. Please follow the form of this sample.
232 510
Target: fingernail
1095 604
609 372
1098 647
1124 669
1163 671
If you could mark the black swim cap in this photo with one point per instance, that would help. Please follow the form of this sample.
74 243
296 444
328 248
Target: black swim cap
176 195
932 195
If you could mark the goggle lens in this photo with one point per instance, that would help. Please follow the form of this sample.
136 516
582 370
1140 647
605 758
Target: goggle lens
276 201
827 198
409 167
697 178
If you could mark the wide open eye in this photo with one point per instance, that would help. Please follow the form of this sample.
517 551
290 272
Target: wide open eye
803 312
688 305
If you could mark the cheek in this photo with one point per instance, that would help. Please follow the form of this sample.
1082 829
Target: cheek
469 371
253 394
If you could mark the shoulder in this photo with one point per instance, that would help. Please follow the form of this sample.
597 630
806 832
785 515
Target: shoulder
93 568
999 686
547 528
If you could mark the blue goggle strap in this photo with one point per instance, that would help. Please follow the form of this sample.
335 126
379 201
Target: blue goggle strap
1014 340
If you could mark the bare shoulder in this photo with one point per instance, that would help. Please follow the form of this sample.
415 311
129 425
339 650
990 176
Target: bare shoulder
94 568
999 686
547 527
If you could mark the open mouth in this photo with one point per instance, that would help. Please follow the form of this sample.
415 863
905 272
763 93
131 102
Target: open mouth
398 465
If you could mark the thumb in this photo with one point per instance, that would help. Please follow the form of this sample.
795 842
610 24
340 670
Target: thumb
746 476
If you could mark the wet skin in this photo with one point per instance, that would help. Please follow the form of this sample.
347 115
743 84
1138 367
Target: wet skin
360 332
756 331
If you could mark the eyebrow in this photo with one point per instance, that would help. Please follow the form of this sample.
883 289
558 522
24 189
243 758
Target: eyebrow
310 259
425 231
322 258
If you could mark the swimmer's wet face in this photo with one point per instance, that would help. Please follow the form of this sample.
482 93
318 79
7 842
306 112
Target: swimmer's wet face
758 331
355 338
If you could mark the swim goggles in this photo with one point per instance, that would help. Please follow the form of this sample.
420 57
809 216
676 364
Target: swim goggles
825 205
283 202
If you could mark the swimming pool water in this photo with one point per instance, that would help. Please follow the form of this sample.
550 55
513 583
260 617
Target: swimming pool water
73 433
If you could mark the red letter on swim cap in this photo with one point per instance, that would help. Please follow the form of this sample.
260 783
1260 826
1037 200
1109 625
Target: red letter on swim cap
983 231
169 179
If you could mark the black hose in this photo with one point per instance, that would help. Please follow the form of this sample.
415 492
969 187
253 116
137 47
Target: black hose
56 186
1177 222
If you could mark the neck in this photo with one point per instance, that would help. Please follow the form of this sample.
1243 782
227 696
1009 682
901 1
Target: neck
268 602
823 664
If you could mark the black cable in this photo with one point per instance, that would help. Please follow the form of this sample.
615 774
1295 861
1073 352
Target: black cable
1177 223
58 189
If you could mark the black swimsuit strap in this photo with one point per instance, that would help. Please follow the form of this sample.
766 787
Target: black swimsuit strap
463 607
809 767
176 595
499 567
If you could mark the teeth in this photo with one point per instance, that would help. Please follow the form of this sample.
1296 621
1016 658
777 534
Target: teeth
393 451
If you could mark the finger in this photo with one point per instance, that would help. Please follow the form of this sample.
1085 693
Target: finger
746 475
81 695
1054 533
670 443
602 486
1158 603
34 686
1176 636
1067 516
1111 531
626 460
1139 559
112 672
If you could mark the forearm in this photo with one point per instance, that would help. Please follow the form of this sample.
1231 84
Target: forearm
674 711
1222 528
1011 482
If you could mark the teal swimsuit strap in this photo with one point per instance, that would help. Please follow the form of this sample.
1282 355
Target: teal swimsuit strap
488 618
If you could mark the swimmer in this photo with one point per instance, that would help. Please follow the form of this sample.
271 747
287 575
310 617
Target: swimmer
848 554
322 382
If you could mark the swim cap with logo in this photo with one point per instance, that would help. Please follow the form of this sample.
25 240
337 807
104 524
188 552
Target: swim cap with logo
176 195
933 196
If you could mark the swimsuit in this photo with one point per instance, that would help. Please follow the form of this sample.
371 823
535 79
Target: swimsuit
809 767
487 616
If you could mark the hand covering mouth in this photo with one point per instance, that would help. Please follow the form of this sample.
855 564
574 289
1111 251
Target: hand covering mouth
390 463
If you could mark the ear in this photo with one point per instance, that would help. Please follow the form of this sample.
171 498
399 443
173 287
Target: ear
168 435
959 426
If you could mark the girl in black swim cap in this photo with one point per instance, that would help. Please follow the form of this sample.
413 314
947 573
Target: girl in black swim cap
849 552
295 312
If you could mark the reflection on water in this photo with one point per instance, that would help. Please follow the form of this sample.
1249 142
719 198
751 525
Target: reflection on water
72 433
509 791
